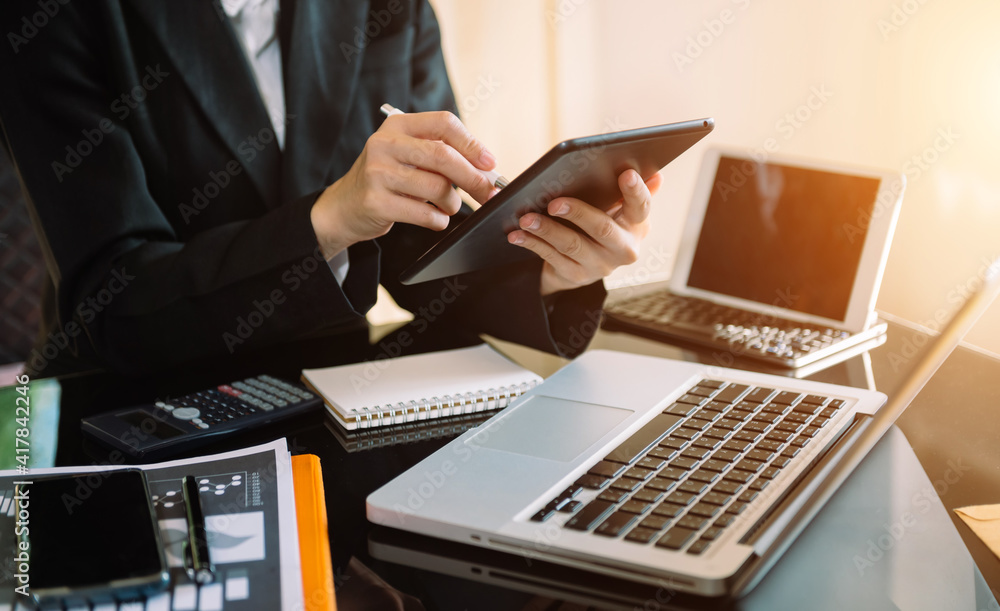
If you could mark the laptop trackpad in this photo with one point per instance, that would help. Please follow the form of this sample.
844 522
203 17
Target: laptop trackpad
546 427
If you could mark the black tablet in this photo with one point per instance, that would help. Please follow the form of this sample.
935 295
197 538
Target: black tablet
585 168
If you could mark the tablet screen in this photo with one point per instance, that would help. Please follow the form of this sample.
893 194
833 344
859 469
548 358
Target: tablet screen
797 235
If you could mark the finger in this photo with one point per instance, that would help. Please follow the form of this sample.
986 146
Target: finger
616 242
424 186
445 126
636 197
563 265
401 209
443 159
568 241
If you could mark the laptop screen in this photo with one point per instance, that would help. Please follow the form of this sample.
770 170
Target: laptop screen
797 235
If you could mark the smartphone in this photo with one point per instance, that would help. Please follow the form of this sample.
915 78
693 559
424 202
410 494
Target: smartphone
92 536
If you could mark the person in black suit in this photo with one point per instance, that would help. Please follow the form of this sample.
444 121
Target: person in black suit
182 221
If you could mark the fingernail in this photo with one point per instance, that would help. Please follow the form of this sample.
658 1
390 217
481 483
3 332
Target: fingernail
561 209
532 222
487 159
515 238
632 179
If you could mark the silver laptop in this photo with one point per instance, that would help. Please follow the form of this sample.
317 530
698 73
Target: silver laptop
780 260
664 472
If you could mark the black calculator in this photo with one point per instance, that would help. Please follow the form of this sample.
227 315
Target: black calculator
173 425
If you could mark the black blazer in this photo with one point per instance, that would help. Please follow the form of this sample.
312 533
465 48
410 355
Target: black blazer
176 229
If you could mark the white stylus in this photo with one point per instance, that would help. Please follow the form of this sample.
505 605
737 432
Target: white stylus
495 178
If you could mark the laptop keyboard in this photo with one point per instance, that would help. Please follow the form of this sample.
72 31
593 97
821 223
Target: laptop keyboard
753 334
683 478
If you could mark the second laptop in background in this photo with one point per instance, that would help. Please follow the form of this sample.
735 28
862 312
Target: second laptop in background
781 259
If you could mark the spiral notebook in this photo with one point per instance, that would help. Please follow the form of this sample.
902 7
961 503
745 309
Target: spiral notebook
421 387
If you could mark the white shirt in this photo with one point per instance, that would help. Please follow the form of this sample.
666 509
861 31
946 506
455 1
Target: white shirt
256 22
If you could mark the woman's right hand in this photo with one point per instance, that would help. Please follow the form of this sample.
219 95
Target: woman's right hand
404 174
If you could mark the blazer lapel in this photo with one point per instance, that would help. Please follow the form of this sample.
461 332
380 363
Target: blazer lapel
206 52
319 84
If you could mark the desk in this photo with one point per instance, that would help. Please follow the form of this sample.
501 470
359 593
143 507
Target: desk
952 429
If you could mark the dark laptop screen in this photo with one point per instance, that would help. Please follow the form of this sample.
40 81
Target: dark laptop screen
784 236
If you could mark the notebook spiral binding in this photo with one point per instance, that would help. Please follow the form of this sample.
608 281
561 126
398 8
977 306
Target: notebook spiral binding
440 407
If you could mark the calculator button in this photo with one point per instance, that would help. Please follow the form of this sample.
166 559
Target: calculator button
196 421
203 426
186 413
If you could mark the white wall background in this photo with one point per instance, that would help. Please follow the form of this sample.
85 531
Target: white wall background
896 74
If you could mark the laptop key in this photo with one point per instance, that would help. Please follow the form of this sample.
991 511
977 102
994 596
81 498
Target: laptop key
662 452
715 498
692 486
649 495
705 510
737 445
759 394
702 391
639 473
650 462
706 442
636 507
654 522
679 497
726 488
668 510
692 522
641 535
594 482
591 514
681 409
814 399
698 547
731 393
704 475
683 462
613 496
676 538
606 468
674 443
543 514
643 439
786 398
627 484
662 484
616 523
711 383
712 533
692 399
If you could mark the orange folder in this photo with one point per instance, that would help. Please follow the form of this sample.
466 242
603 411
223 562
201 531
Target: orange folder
314 540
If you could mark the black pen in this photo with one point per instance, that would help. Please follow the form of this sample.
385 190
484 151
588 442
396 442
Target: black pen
199 567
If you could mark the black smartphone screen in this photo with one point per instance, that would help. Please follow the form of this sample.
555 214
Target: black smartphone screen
91 530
